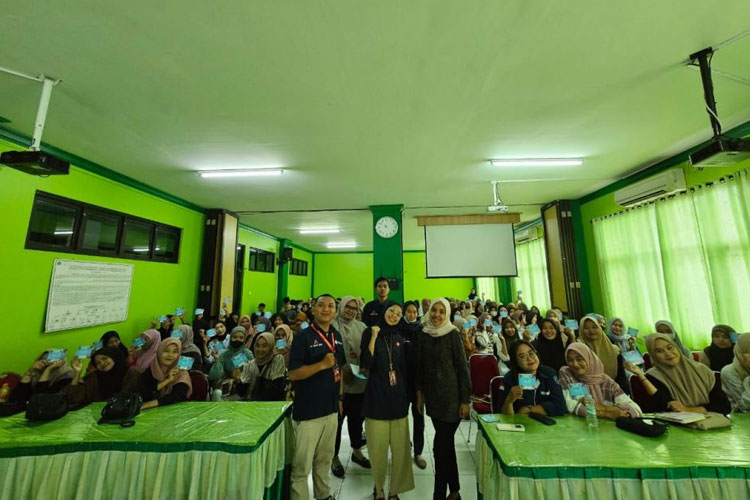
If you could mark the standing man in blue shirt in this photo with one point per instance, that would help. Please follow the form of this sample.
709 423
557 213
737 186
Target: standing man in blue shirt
315 361
374 310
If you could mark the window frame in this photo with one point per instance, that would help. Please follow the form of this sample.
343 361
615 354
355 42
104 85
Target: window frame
261 261
83 210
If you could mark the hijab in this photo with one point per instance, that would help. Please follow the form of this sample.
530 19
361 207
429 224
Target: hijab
110 382
673 335
143 358
502 330
689 382
350 329
445 327
55 374
110 334
741 348
188 346
385 328
594 377
719 357
226 356
287 332
551 352
602 347
160 372
621 341
268 336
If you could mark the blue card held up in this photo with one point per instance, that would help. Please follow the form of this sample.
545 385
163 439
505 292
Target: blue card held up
177 334
179 311
211 332
633 357
84 352
534 330
97 345
239 360
260 327
527 381
572 324
304 325
162 319
632 332
139 342
199 311
185 363
578 390
734 337
56 355
267 315
496 329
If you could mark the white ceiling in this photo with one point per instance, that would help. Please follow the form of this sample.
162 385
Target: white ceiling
370 103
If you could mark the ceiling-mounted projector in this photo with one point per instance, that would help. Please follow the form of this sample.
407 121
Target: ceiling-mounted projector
498 208
721 150
35 162
497 203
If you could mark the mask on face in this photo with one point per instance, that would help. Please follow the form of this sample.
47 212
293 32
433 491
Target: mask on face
236 343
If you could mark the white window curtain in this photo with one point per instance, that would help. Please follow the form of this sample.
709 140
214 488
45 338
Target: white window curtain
487 289
532 274
685 259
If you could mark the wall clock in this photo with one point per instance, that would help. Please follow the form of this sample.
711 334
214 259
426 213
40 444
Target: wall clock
386 227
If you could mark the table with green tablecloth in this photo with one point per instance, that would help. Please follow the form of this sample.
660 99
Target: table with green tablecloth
192 450
572 462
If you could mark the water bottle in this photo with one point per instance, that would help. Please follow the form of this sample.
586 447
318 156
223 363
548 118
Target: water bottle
591 418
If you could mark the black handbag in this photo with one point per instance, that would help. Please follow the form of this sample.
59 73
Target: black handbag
44 407
121 409
638 426
11 408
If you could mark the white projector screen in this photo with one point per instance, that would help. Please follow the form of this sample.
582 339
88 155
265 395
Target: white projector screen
472 250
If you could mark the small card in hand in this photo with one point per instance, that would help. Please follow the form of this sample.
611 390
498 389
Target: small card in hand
179 311
56 355
84 352
177 334
260 327
185 363
534 330
632 332
97 345
578 390
633 357
572 324
139 342
239 360
527 381
211 332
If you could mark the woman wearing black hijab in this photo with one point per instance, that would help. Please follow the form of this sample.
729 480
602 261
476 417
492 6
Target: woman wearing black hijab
110 374
720 352
550 345
112 339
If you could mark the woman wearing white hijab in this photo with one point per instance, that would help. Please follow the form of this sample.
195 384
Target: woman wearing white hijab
735 377
443 385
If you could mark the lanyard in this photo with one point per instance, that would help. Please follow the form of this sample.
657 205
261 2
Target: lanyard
388 350
330 343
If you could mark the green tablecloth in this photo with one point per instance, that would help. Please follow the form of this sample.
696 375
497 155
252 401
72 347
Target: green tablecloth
185 451
569 461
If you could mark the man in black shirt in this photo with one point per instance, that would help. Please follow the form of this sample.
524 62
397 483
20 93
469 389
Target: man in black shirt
375 309
315 361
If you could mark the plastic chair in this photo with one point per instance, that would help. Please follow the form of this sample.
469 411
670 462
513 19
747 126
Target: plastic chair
495 385
482 369
200 386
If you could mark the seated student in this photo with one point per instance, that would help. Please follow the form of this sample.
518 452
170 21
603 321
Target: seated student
676 382
593 336
617 333
585 367
164 383
143 356
42 377
246 322
165 327
508 335
467 337
519 319
224 369
108 375
667 328
277 320
189 348
265 377
298 320
735 377
546 398
550 345
721 351
283 337
112 339
212 345
532 318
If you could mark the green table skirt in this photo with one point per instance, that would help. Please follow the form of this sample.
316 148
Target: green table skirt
255 470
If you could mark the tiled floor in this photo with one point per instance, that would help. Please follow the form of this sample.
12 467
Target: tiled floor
357 484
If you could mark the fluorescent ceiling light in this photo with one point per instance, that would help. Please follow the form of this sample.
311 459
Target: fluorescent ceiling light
341 245
538 162
253 172
319 231
141 249
57 233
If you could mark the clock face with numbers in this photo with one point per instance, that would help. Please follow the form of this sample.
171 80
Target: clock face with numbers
386 227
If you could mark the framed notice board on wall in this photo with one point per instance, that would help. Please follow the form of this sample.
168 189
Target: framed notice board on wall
85 293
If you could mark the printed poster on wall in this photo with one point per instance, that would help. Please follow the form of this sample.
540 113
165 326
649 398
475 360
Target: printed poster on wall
85 293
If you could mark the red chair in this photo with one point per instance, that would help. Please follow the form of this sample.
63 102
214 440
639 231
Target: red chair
482 369
646 362
495 385
200 386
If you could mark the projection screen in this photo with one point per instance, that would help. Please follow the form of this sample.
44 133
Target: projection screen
471 250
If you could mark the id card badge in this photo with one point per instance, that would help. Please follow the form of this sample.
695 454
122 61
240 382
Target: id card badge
336 373
392 378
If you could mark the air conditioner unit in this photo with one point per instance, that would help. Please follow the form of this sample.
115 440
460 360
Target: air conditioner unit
667 182
528 234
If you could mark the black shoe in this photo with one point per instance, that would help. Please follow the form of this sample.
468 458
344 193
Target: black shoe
362 462
338 471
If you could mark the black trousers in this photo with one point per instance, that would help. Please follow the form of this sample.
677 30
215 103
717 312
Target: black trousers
417 435
354 421
446 465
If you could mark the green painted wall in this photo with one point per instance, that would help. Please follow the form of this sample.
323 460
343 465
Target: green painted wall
158 288
605 205
258 287
344 274
300 287
417 286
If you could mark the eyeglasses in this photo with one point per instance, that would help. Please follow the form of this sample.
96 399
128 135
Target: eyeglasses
530 355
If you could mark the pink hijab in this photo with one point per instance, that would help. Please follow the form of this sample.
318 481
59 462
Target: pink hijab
594 377
143 358
160 371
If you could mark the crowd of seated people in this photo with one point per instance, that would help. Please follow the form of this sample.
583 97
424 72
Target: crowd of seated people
370 364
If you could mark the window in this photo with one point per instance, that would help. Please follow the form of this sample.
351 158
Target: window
62 225
298 267
532 274
261 260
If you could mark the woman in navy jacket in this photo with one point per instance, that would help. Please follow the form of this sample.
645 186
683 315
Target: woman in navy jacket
546 398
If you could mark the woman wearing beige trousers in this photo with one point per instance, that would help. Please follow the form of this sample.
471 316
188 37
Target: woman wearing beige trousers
386 404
